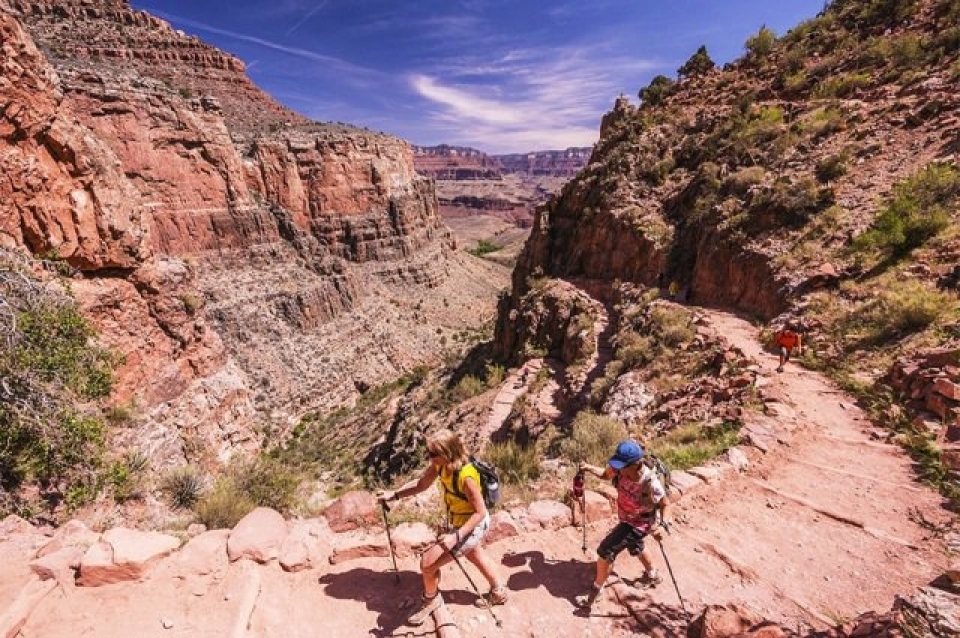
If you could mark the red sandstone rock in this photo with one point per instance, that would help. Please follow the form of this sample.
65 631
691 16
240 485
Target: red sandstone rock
257 536
502 526
205 553
411 538
550 514
123 555
353 510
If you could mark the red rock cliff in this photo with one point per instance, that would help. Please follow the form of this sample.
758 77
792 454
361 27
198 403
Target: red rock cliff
149 162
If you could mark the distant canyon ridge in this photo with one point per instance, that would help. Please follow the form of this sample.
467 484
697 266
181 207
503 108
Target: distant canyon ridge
470 182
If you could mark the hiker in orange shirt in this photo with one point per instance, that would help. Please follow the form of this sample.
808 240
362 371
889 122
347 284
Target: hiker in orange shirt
787 339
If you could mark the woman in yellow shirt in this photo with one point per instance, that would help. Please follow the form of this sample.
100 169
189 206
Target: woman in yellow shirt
467 519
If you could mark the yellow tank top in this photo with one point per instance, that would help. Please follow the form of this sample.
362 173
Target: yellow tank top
459 509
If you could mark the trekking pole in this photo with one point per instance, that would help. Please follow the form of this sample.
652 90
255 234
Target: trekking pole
476 590
584 501
670 569
386 523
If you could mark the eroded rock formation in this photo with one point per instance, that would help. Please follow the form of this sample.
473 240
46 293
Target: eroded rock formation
205 222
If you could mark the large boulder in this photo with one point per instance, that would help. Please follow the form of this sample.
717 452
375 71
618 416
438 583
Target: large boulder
307 545
502 525
72 534
550 514
123 555
353 510
205 553
258 536
410 538
718 621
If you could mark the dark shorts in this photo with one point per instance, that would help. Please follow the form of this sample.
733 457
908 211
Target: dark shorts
623 536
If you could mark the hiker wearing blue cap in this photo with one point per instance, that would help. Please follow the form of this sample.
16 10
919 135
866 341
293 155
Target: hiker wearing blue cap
640 496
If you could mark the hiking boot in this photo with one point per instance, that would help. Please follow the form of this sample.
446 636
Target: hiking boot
650 578
496 596
586 601
428 606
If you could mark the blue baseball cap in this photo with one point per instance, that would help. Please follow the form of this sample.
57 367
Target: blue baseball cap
628 453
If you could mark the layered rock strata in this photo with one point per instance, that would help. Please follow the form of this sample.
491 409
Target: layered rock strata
206 221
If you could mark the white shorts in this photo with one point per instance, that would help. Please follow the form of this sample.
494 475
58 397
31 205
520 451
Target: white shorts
476 536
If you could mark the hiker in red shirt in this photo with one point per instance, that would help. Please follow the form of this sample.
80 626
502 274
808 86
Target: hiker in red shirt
787 340
642 505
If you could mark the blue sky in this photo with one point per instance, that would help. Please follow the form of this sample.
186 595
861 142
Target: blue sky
499 75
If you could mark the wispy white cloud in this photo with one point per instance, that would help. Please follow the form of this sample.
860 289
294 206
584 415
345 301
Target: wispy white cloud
526 98
312 12
465 104
337 64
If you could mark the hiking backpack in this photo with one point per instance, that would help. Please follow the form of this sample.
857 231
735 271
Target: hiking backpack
489 482
660 468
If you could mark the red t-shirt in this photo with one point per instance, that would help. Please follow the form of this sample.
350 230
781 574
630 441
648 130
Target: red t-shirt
788 338
637 500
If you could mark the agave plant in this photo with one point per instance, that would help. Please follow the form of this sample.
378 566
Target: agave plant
183 486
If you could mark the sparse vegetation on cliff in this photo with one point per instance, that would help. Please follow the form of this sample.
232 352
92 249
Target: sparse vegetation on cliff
52 373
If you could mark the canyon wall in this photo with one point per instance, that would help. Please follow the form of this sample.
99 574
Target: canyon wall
748 185
233 251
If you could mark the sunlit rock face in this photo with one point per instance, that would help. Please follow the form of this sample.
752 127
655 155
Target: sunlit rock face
205 220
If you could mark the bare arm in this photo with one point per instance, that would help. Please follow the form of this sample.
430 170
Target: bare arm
415 486
605 472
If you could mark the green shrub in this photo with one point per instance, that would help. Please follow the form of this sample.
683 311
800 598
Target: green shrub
761 44
635 350
55 345
265 482
494 374
223 506
830 168
191 303
672 325
183 486
484 247
660 88
917 213
740 181
693 444
908 308
467 387
842 85
516 463
698 64
593 438
49 365
824 122
908 51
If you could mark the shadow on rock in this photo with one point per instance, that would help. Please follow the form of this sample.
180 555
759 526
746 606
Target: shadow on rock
562 578
657 620
381 593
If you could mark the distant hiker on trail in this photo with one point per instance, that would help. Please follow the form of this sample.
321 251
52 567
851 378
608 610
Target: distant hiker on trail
787 339
467 520
640 497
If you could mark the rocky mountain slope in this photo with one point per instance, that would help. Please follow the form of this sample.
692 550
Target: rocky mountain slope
801 180
248 265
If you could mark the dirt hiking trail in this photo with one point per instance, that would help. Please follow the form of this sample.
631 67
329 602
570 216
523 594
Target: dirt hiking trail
816 530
